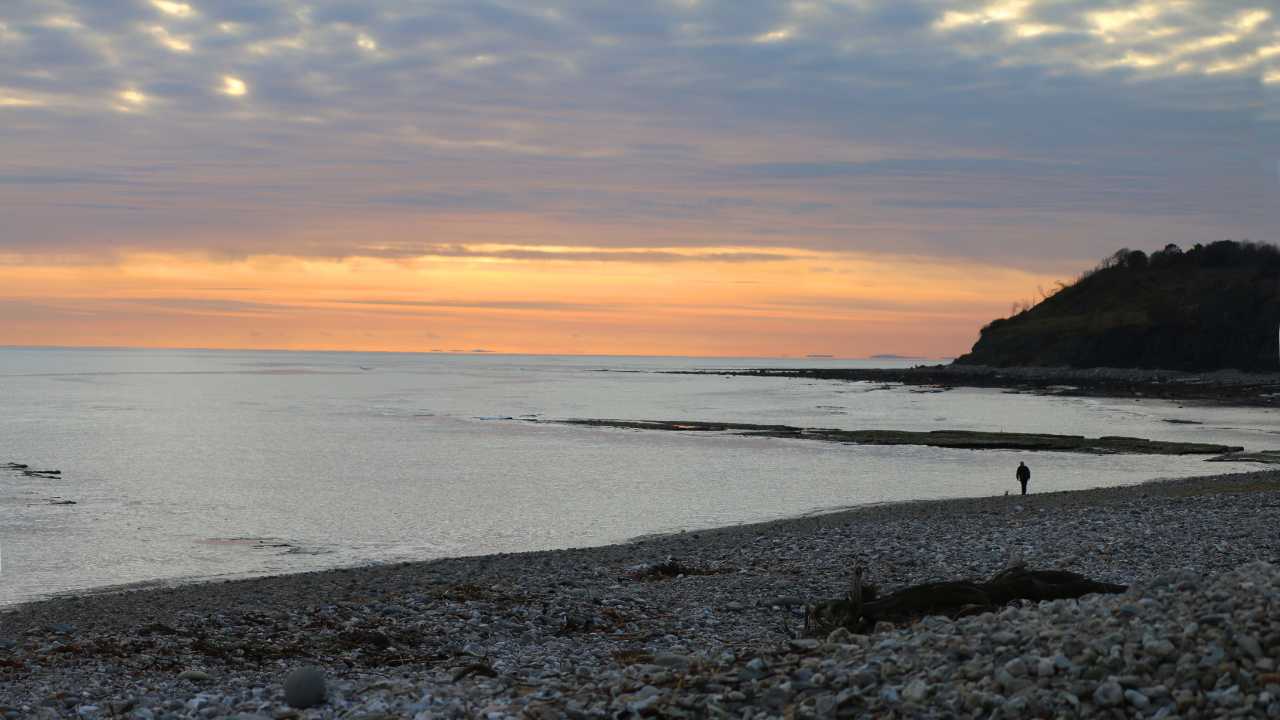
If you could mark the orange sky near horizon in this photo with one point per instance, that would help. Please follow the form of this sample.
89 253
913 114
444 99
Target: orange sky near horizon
517 300
710 178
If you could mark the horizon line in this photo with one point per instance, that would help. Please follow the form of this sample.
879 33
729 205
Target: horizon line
470 353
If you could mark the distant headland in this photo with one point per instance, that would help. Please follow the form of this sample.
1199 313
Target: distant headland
1201 324
1211 307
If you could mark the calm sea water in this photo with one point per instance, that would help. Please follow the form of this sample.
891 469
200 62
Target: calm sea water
186 464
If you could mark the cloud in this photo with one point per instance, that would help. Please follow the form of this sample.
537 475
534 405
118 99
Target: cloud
531 305
915 167
54 177
198 305
567 255
247 127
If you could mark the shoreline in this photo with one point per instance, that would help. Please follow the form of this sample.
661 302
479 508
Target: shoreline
1243 481
1222 387
584 631
817 518
1233 482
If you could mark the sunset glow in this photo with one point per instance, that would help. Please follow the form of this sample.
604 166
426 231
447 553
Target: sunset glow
796 305
682 178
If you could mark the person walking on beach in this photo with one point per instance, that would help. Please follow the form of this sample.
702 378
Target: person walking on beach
1024 476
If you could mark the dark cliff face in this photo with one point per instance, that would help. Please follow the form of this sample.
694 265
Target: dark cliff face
1209 308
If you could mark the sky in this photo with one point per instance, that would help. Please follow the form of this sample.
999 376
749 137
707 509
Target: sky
688 177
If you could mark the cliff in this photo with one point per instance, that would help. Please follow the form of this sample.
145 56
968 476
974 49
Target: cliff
1209 308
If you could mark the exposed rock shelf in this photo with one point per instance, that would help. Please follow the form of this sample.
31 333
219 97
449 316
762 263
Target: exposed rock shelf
959 439
1223 387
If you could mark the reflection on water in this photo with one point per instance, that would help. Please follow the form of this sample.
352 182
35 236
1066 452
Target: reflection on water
203 463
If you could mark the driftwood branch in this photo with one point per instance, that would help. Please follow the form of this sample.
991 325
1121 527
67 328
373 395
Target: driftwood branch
860 610
855 592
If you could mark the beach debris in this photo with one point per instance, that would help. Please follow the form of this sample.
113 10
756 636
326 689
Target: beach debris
475 668
669 569
369 639
304 687
860 610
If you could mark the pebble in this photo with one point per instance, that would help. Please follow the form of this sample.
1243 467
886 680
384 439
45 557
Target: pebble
1250 645
916 691
675 662
1108 694
1137 699
1016 667
304 688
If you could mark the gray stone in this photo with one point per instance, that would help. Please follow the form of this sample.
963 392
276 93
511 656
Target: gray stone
1250 645
1108 694
1137 699
915 691
673 661
304 688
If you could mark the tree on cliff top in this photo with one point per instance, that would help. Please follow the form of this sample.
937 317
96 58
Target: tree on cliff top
1209 307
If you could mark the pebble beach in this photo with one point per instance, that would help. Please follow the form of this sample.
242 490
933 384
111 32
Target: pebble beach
709 624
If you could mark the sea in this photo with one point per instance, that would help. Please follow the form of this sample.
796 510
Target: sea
180 465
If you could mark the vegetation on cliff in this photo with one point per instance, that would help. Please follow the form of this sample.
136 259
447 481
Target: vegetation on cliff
1211 307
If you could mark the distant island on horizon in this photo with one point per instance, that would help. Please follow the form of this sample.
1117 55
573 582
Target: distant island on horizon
879 356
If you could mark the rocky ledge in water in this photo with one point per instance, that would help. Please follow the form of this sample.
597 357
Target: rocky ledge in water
1222 387
959 439
1263 457
708 624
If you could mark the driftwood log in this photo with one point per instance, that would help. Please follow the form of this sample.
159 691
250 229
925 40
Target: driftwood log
861 608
